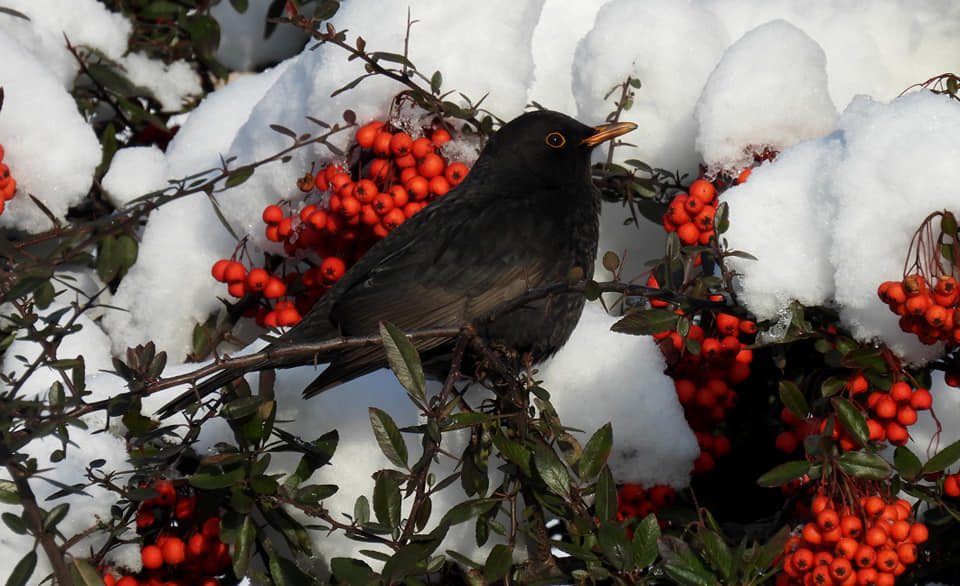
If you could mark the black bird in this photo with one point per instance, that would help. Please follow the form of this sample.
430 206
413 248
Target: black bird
524 216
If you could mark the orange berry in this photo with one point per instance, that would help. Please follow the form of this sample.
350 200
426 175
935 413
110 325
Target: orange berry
381 143
828 519
272 214
256 280
851 525
174 551
430 165
896 433
418 186
367 133
686 390
841 569
350 207
455 173
197 544
152 557
821 576
900 530
918 304
727 324
412 208
127 581
688 233
234 272
887 560
406 161
439 185
866 556
748 327
379 169
400 144
846 548
919 533
812 534
906 415
921 399
951 485
365 190
399 195
440 137
886 407
211 527
339 180
394 218
275 288
907 552
703 190
802 559
693 206
875 536
662 495
219 269
900 392
332 268
744 175
421 147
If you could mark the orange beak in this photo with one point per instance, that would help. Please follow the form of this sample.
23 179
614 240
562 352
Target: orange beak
606 132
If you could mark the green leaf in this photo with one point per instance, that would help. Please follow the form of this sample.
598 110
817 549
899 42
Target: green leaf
596 452
15 523
386 498
84 574
645 538
864 465
244 546
646 322
361 510
907 463
551 470
852 419
239 5
948 223
388 437
8 493
436 81
943 459
682 565
784 473
718 553
392 57
614 545
832 386
207 481
404 360
352 572
498 563
55 515
513 451
605 496
467 510
793 399
772 549
314 494
864 358
23 570
241 174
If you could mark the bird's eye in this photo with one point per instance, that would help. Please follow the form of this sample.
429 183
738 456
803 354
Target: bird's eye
555 140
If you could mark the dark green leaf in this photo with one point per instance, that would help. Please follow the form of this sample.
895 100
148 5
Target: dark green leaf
614 545
852 419
868 357
596 452
414 554
592 290
551 470
55 515
15 523
605 497
386 498
313 494
160 10
864 465
514 452
44 295
943 459
388 437
436 81
907 463
352 572
718 553
240 175
645 538
682 565
239 5
948 223
646 322
793 399
467 510
206 481
404 360
784 473
361 510
23 570
773 549
8 493
498 563
832 386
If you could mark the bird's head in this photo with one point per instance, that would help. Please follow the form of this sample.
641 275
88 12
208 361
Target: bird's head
548 147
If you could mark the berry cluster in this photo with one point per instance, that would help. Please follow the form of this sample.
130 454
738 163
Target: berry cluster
179 549
705 365
634 501
691 214
870 543
930 313
8 185
345 211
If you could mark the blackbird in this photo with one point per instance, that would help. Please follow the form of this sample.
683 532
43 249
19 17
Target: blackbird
524 216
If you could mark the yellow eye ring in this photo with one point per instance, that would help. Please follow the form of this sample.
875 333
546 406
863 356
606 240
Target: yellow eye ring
555 140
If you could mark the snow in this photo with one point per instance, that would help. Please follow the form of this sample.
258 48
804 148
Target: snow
827 221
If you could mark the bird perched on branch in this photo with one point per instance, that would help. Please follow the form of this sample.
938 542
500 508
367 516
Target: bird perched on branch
524 216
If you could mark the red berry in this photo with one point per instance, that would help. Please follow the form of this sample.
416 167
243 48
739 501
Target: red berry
174 551
152 557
